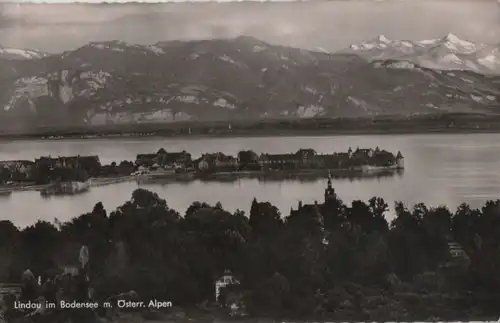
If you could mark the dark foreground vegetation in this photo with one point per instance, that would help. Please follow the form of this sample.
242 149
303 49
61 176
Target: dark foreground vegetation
331 260
447 122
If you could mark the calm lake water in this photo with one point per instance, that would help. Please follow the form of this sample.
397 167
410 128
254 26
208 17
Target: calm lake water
439 170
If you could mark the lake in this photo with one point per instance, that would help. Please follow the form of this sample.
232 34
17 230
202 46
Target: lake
440 169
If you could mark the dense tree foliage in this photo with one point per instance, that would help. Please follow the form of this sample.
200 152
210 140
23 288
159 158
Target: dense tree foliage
332 259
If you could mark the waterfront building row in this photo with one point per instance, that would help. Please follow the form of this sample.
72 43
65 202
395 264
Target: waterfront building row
81 168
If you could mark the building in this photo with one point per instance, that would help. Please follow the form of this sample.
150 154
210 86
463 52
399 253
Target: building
332 161
213 161
181 159
315 209
364 154
91 164
48 162
22 166
456 250
307 158
330 191
382 158
201 163
147 160
225 280
349 152
19 169
222 160
279 161
400 161
205 162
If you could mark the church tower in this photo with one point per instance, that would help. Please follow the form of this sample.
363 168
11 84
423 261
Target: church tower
329 191
349 152
400 160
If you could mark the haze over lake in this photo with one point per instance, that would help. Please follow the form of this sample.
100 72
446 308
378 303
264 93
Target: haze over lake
439 169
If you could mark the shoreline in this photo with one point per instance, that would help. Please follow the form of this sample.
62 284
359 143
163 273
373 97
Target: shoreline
233 135
447 122
221 176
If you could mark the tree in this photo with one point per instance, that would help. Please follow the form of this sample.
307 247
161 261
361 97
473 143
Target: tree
10 251
378 208
144 198
359 213
405 220
264 218
270 296
126 163
40 242
334 213
194 207
405 241
99 209
246 157
221 232
465 225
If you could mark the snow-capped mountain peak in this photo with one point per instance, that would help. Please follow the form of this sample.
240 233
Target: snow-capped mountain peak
456 44
116 83
452 38
447 53
15 53
378 42
383 39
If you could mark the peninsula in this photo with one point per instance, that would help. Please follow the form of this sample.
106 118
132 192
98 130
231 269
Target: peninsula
66 174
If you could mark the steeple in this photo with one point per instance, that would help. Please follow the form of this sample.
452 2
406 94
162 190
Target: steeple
329 191
400 160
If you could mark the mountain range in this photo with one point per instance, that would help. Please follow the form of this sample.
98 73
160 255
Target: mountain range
244 78
447 53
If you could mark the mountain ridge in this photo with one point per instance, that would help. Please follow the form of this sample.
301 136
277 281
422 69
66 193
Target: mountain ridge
445 53
114 82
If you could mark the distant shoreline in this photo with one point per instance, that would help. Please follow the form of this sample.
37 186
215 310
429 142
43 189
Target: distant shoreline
125 136
457 123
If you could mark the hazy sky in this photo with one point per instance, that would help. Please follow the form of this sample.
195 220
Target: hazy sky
331 25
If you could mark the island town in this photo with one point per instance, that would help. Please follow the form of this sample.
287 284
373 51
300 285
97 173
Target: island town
74 174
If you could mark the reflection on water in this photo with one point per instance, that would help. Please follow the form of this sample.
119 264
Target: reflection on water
267 178
439 169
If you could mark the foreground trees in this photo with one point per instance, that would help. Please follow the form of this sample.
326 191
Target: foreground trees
343 261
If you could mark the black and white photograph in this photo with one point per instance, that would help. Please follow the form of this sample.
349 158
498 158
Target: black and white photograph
249 161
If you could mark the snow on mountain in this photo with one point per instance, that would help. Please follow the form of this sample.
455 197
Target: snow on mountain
380 42
446 53
14 53
455 44
115 82
120 46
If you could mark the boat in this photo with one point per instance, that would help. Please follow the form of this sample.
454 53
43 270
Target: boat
66 188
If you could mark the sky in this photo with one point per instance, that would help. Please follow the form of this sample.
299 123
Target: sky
331 25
